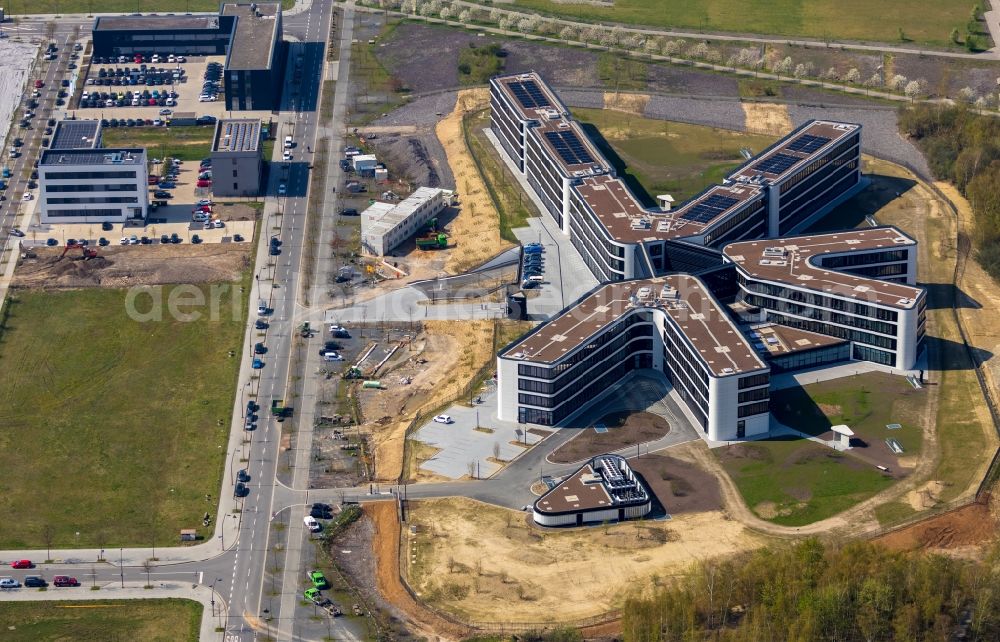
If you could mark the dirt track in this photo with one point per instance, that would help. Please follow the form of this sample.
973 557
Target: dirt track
385 546
121 267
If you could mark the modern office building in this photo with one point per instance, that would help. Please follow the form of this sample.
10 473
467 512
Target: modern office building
781 190
87 185
76 134
237 165
605 489
855 285
252 76
248 34
384 226
672 324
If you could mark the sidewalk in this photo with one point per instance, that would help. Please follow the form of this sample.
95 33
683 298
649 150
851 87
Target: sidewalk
134 591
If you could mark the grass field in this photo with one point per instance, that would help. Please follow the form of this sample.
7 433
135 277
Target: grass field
185 143
865 402
476 65
621 74
113 430
668 157
795 482
20 7
100 621
922 21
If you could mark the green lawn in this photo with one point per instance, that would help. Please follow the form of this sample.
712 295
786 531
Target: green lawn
621 74
922 21
866 403
658 156
114 430
476 65
795 482
171 620
20 7
186 143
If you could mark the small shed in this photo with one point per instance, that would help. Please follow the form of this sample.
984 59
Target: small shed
842 436
364 162
188 535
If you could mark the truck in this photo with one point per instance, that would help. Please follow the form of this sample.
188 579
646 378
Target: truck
279 410
433 241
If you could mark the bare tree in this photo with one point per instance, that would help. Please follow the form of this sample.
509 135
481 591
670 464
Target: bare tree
147 565
496 450
48 536
471 467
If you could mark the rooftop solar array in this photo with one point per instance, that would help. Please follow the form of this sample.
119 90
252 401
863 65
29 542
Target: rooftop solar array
237 136
569 147
706 210
807 144
776 164
75 134
529 94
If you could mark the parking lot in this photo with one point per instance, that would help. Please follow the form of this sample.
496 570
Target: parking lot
188 88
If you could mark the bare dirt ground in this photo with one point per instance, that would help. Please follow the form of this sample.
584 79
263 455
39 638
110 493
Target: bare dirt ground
385 547
961 531
767 118
624 429
476 229
126 266
630 103
486 564
453 352
674 476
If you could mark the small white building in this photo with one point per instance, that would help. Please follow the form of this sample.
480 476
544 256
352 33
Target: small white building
364 163
93 185
384 226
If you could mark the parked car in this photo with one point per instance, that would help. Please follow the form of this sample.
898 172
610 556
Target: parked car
9 583
349 211
318 579
311 523
259 348
444 419
242 475
107 226
241 490
260 324
35 581
65 580
257 364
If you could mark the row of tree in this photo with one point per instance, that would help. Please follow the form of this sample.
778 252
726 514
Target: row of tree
963 147
812 592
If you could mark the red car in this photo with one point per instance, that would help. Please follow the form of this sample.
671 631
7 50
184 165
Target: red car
65 580
204 183
39 84
152 101
22 564
153 180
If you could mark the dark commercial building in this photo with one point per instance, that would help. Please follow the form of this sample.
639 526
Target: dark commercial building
253 64
249 35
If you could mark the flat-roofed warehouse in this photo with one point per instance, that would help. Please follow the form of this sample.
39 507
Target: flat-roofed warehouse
249 35
236 157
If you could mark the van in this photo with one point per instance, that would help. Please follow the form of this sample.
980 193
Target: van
536 279
288 142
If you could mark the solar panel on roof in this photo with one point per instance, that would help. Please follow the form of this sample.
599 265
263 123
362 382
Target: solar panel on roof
807 143
529 94
569 147
704 211
776 164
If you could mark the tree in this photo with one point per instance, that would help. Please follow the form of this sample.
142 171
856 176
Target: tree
912 89
803 69
967 95
496 450
955 36
147 565
874 81
568 33
901 34
898 82
853 75
48 536
699 50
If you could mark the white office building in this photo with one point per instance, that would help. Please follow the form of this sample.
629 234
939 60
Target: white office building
384 227
93 185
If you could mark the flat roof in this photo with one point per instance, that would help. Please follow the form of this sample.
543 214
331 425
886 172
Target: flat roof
155 23
773 340
530 95
787 155
75 134
379 218
788 261
100 156
569 147
236 135
684 298
255 36
628 221
594 487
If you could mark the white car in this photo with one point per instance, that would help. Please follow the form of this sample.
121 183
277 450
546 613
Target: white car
9 583
180 59
282 190
444 419
27 196
332 356
287 156
123 241
219 224
205 201
133 240
311 523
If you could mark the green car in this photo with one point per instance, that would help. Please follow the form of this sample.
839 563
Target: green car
312 594
318 579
